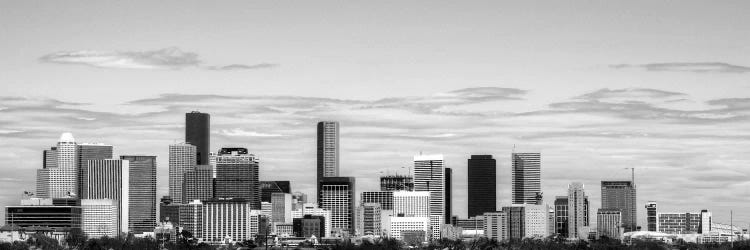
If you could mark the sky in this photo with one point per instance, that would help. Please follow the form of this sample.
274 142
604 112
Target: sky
596 87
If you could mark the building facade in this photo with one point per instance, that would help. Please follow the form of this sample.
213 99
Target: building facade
384 198
396 183
110 179
269 187
237 176
526 185
561 214
62 179
429 175
90 151
609 223
142 193
227 220
651 216
182 158
621 195
495 225
482 185
368 219
191 217
198 184
99 218
577 212
281 208
411 204
198 133
337 195
328 150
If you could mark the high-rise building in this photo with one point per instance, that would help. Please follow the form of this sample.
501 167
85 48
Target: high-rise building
328 150
337 195
313 209
482 184
181 159
42 183
269 187
448 195
237 176
110 179
49 158
142 192
561 214
99 218
651 216
198 133
308 226
384 198
227 219
396 183
621 195
411 204
281 208
496 225
298 199
429 175
535 221
516 221
90 151
526 178
368 219
191 217
577 212
609 222
198 184
62 179
169 211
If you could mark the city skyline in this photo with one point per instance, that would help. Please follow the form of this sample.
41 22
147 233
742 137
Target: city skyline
571 81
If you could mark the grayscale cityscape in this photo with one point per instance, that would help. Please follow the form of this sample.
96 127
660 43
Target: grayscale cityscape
374 125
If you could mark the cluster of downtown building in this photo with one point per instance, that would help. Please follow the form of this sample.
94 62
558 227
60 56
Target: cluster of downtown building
218 198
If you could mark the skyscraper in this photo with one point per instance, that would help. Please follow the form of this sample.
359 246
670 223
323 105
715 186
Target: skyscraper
237 176
516 221
384 198
99 218
429 175
337 195
191 217
328 149
62 179
109 179
561 214
281 207
368 219
411 204
621 195
651 216
198 133
198 184
269 187
448 197
90 151
142 193
482 185
182 158
526 178
576 210
496 225
227 218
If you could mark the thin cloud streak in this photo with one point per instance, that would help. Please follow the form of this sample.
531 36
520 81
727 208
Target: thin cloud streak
697 67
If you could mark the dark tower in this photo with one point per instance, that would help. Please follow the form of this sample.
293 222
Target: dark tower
448 200
482 173
198 134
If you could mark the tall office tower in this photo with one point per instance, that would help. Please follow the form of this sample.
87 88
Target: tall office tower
226 218
198 133
198 184
516 221
237 176
99 218
281 208
482 174
496 225
396 183
429 175
298 199
181 159
110 179
191 217
90 151
169 211
142 193
621 195
448 195
328 150
561 214
576 210
608 221
62 178
411 204
651 216
269 187
526 178
313 209
368 219
42 183
337 195
49 158
384 198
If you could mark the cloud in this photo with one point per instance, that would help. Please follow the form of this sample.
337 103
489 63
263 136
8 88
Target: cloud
242 67
698 67
171 58
244 133
629 93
